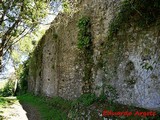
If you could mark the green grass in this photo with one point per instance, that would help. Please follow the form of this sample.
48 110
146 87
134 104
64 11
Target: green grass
50 109
57 108
3 102
6 101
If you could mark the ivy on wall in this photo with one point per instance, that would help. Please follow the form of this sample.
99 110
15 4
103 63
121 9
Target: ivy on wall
86 51
35 62
84 35
131 13
141 12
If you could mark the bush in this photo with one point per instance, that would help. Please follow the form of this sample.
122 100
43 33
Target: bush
22 74
8 89
85 99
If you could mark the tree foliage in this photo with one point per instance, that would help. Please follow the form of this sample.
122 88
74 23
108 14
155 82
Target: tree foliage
22 76
17 18
23 48
8 89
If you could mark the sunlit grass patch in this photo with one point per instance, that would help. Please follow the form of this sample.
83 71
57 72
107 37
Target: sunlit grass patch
6 101
49 108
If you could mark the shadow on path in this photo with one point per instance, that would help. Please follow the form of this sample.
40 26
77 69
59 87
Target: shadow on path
31 112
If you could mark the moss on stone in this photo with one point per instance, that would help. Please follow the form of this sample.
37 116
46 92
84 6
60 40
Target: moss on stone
86 51
35 62
141 12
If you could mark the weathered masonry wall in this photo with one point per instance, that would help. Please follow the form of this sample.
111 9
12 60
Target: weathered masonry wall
126 69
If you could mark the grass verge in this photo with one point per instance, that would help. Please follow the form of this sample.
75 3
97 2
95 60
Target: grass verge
57 108
50 108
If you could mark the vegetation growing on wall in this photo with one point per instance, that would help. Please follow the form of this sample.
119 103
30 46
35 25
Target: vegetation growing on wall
84 35
35 62
141 12
132 13
86 51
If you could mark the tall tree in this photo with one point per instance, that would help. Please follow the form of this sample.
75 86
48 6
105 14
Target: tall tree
18 18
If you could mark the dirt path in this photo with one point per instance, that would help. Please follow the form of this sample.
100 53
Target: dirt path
16 111
32 112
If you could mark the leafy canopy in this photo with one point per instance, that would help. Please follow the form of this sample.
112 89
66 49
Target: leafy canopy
17 19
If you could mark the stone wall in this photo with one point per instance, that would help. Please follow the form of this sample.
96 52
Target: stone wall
130 67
